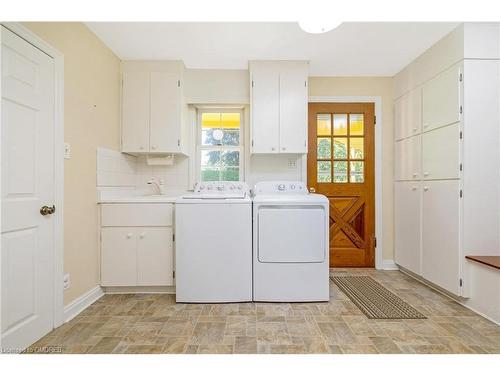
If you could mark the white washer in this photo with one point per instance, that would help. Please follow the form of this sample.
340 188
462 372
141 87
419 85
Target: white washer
213 241
290 243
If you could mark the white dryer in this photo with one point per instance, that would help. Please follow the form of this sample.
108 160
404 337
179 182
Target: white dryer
290 243
213 244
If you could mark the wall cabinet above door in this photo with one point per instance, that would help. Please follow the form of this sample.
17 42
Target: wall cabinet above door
278 101
152 107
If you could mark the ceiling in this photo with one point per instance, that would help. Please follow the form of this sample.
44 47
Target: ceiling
352 49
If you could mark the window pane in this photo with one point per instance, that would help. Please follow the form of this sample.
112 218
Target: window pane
230 159
220 129
357 171
210 120
356 124
230 120
340 171
324 148
340 148
356 146
324 124
339 124
230 174
324 171
210 165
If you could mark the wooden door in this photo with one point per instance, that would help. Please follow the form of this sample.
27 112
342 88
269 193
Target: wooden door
27 177
340 165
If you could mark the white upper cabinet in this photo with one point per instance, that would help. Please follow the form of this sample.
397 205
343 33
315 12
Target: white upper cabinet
441 153
408 114
135 112
407 159
152 107
278 106
441 99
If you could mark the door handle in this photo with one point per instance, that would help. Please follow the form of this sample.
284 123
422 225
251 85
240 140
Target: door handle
46 210
312 190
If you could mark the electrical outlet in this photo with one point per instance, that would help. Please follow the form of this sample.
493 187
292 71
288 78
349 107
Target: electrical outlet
292 164
66 281
67 151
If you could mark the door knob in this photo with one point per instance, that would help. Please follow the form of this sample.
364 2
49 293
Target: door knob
46 210
312 190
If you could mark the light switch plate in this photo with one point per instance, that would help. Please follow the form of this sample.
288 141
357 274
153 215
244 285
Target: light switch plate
67 151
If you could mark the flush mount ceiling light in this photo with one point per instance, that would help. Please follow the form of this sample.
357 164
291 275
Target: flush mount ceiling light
318 27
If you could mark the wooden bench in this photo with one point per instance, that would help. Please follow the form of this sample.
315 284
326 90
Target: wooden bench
489 260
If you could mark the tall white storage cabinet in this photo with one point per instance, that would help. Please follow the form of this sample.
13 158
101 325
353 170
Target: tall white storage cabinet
447 171
153 108
278 101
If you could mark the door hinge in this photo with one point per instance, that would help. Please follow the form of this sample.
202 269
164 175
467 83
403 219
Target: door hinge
374 120
460 77
178 142
460 135
460 166
173 274
173 237
305 83
461 193
460 109
252 82
252 142
461 282
179 83
374 241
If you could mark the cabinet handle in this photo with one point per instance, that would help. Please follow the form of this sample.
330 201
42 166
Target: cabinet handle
272 148
142 235
426 188
283 148
141 147
153 148
414 175
129 235
426 174
414 188
414 129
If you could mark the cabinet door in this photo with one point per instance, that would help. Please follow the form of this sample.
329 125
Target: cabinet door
118 256
441 153
407 198
155 256
135 112
440 234
293 108
408 114
408 158
265 109
166 101
441 100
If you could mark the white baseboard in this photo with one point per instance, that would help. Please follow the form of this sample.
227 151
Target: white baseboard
81 303
389 265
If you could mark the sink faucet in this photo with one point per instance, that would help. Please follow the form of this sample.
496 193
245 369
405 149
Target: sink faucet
159 184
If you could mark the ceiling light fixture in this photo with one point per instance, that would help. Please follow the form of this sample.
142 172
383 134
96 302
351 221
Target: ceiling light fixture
318 27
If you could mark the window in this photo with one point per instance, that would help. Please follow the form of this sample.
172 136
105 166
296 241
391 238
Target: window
340 146
220 144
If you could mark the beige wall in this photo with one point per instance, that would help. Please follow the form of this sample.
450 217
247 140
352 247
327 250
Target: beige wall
91 119
370 86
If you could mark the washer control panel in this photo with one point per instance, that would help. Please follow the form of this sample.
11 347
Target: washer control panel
280 187
221 187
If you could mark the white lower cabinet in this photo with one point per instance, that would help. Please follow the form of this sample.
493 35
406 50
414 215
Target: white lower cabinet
407 225
441 233
135 255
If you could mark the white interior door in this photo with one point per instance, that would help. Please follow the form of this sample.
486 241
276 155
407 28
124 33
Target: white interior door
27 238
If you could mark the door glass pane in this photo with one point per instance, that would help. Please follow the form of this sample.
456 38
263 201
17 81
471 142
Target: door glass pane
340 171
356 124
340 148
324 171
356 147
324 148
357 171
324 124
210 165
340 124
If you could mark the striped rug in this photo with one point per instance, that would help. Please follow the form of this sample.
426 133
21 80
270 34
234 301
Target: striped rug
375 301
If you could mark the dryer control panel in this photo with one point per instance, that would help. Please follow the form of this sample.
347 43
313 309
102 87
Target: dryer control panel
280 187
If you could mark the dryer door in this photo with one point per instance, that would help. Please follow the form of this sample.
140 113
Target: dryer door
292 234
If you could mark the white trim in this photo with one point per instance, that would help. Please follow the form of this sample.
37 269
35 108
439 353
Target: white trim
81 303
58 57
389 265
377 100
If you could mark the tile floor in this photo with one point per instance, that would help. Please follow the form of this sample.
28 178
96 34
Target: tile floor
154 323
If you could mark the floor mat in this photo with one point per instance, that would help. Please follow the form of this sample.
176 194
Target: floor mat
374 300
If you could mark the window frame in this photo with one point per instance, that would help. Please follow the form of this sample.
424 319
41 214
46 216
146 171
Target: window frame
200 147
